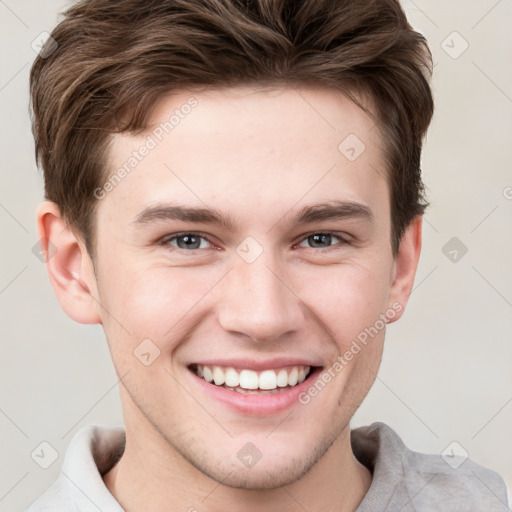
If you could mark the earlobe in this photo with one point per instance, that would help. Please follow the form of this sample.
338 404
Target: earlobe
405 266
68 264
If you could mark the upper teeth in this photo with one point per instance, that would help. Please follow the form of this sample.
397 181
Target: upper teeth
249 379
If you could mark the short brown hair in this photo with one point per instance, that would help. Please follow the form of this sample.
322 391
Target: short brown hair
116 59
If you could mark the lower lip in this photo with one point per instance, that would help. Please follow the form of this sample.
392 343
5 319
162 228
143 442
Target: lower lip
256 404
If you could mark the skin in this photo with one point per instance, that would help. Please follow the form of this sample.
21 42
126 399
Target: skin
258 156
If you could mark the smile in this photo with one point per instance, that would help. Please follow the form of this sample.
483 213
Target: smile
252 382
253 387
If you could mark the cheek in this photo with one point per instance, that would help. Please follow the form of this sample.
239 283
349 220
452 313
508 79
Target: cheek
156 303
347 298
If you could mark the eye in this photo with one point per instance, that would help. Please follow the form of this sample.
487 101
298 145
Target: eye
192 241
186 241
323 240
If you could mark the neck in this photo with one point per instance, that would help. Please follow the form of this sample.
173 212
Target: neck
152 476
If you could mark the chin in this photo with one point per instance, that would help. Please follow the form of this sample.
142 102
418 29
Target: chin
262 478
274 471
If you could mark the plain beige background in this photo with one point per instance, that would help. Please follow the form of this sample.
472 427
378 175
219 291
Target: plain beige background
446 374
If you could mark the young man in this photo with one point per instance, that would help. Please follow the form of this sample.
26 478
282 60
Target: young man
234 192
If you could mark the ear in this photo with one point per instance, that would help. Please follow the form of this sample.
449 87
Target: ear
69 266
404 267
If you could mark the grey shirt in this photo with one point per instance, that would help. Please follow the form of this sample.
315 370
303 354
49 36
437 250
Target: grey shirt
402 480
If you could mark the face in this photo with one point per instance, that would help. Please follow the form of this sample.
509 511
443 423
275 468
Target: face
285 263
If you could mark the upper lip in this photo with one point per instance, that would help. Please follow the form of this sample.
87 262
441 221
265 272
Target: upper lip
258 365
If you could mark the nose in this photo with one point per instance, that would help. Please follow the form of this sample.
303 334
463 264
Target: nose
258 301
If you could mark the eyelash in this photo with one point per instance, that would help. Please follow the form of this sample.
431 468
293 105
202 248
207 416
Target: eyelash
343 241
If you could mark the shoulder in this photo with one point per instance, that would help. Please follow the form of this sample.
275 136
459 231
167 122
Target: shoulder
79 486
57 498
418 481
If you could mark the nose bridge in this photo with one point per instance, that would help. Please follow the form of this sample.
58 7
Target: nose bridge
258 301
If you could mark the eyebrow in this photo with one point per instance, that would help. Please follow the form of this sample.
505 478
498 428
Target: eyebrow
334 210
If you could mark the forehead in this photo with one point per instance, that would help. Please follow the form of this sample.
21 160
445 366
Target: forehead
246 147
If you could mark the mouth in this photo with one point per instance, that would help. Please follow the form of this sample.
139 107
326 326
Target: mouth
254 388
250 382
